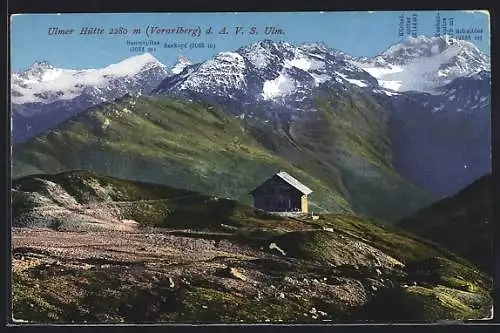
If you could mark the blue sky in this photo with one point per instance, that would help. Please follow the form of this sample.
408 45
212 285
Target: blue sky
356 33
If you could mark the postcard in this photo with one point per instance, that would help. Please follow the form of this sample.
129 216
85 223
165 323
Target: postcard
251 168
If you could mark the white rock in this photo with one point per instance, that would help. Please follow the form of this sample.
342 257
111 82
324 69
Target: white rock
273 246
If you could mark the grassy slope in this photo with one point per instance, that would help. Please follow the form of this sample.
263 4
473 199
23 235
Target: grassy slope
448 287
180 144
342 156
349 132
151 205
461 223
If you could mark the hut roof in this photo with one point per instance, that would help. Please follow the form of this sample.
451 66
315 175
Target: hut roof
293 182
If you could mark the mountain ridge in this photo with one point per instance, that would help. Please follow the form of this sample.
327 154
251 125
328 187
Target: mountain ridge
424 64
77 91
147 139
461 223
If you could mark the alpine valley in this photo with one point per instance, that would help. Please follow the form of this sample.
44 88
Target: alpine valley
139 145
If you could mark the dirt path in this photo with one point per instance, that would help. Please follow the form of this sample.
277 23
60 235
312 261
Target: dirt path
125 246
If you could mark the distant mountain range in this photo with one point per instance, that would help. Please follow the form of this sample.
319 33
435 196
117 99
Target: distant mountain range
44 96
425 64
421 108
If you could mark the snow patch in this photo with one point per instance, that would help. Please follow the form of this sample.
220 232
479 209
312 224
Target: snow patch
281 86
182 62
359 83
131 65
424 64
387 77
390 93
258 56
437 108
304 62
105 124
320 78
301 63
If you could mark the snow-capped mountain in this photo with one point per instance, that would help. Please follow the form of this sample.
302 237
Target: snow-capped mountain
432 87
465 94
43 95
267 71
442 141
285 75
182 62
43 83
425 63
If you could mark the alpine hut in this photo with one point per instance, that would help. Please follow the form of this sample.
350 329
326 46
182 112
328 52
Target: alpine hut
281 193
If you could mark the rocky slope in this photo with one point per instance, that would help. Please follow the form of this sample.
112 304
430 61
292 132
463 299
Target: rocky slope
461 223
187 257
